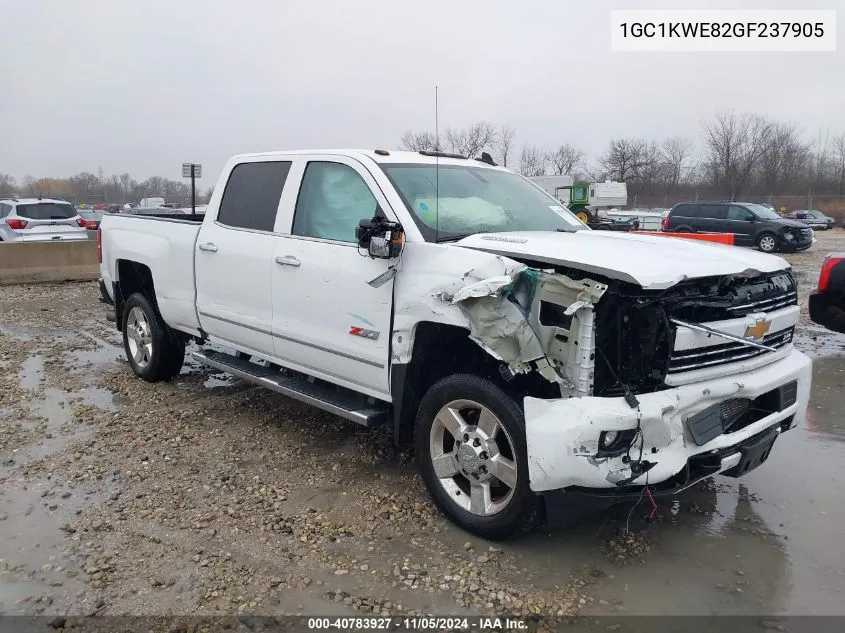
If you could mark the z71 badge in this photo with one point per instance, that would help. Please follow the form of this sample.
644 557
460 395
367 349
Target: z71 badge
354 330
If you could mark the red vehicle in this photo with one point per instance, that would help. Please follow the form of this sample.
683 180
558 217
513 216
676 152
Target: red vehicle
827 303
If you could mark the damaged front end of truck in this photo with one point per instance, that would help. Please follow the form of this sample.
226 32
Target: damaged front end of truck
643 396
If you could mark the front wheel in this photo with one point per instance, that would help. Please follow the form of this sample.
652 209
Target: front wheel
154 351
767 243
470 445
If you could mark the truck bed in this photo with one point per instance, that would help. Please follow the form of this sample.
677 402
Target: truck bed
165 244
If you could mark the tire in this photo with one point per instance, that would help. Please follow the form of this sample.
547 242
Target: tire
508 508
154 351
767 242
584 215
682 229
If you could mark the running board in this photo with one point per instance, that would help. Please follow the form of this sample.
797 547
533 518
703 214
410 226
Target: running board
342 402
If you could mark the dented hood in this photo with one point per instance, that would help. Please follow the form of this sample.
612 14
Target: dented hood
652 261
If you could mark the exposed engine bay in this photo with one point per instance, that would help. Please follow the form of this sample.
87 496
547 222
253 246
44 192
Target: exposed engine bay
609 338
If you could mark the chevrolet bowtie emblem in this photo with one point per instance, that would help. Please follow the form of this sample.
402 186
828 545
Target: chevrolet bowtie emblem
758 330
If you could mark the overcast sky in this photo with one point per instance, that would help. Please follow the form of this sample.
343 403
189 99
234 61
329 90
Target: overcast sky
141 86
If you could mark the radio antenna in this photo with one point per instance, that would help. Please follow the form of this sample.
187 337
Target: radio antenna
436 171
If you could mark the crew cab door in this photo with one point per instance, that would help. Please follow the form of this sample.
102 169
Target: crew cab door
234 257
326 318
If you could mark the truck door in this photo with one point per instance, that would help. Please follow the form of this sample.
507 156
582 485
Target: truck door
234 258
326 318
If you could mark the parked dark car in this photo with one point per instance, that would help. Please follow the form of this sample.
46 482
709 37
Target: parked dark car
812 218
751 224
827 303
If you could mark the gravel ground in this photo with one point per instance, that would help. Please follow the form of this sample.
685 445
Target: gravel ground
208 496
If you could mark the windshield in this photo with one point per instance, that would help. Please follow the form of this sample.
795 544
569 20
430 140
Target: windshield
46 211
763 212
475 200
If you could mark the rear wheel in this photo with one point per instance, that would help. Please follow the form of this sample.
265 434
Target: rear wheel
154 351
470 444
767 242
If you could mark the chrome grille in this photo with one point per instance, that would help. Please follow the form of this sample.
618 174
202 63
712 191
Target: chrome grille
765 305
713 355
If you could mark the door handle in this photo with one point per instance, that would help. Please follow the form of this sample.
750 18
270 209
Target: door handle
210 247
288 260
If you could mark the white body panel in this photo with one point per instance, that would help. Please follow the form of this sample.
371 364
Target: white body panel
166 247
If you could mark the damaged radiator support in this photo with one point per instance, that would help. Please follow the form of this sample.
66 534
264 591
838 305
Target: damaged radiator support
534 320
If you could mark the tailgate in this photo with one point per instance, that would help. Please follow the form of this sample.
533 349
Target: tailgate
46 231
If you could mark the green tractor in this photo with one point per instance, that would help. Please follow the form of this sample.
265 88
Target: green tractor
579 198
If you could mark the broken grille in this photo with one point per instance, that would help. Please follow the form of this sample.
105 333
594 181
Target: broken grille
714 355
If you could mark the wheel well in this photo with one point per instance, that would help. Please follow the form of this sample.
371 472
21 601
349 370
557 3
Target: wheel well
132 277
441 350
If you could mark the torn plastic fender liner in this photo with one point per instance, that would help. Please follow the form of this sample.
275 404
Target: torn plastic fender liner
511 332
562 435
499 327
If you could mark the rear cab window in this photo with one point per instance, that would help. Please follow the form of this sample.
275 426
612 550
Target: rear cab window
251 197
46 211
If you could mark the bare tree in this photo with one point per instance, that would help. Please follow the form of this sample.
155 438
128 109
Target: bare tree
126 183
415 142
472 140
839 162
821 156
504 143
30 185
565 159
735 143
7 185
630 160
675 157
532 162
783 158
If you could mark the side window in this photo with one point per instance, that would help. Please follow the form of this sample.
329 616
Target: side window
332 200
4 210
739 213
687 211
714 211
252 194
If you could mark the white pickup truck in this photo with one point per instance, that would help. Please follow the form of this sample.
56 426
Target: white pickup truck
520 352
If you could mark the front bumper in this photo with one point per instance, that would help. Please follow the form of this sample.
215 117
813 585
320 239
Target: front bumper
801 244
563 435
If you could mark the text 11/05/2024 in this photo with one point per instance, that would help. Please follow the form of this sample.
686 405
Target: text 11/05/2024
422 623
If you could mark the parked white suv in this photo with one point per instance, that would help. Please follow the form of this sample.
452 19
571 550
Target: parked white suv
521 352
40 220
